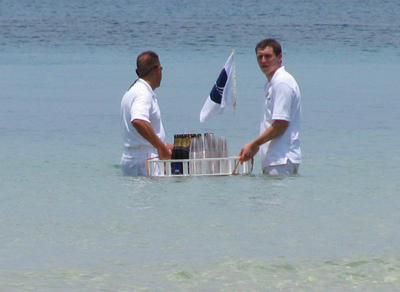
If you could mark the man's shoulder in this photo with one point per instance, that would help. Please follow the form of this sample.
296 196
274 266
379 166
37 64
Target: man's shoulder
141 87
137 87
284 77
281 74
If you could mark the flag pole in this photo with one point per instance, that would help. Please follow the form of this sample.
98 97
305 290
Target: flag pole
234 102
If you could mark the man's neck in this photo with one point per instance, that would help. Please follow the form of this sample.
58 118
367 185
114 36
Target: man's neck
151 82
271 75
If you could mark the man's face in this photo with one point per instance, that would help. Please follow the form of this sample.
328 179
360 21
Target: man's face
159 74
268 61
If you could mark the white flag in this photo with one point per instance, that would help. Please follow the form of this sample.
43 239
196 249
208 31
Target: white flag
222 93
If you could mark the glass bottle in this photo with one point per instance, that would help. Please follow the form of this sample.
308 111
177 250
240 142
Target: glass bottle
180 151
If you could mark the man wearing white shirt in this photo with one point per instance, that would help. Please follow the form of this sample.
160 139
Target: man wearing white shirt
142 128
278 141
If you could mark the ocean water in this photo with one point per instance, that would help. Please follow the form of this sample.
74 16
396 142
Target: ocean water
70 221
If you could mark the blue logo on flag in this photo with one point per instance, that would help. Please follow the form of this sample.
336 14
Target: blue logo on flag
218 89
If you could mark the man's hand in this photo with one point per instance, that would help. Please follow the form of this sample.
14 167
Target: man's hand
164 153
248 151
277 128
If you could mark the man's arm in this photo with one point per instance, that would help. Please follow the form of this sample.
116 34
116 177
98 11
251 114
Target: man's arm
277 128
145 129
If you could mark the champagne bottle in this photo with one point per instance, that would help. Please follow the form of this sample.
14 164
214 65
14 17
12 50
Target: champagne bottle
180 151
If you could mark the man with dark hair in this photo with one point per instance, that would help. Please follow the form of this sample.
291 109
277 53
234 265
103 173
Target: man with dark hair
278 141
142 128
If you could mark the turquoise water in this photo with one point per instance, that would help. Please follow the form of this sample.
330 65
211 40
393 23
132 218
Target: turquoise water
70 220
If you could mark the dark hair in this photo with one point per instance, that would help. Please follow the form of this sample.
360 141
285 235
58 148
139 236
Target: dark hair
276 47
145 62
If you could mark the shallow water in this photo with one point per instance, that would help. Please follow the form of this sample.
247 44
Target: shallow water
70 220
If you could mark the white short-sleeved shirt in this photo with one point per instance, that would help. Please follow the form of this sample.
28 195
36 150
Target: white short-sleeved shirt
282 102
140 102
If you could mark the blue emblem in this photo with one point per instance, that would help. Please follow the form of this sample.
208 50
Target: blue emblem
218 89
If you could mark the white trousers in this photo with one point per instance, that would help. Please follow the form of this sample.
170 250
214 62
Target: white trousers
133 161
282 169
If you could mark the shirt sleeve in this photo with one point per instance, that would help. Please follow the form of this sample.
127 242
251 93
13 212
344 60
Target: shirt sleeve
140 108
282 102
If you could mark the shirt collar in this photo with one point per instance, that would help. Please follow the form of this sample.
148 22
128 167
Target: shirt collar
268 84
147 86
277 72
